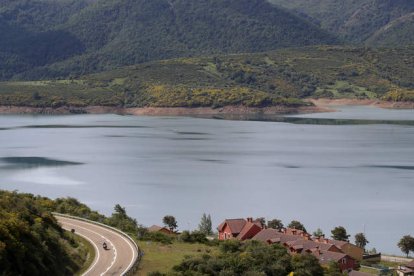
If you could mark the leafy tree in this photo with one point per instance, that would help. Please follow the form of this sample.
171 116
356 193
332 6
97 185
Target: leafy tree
31 240
406 244
275 224
318 233
262 220
339 233
236 258
205 225
170 221
121 220
297 225
333 269
306 265
361 240
193 237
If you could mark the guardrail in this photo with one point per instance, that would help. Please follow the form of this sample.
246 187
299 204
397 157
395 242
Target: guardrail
131 270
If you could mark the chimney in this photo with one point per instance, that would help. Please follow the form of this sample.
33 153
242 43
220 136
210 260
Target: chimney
249 219
325 241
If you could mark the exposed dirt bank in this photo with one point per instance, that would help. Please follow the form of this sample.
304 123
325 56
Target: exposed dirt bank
320 105
162 111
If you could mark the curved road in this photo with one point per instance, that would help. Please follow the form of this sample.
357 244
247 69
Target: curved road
116 260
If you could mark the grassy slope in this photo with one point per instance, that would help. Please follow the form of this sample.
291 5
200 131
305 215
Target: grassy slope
262 79
160 257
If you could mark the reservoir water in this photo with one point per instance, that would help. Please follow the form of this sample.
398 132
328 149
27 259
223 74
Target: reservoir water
354 167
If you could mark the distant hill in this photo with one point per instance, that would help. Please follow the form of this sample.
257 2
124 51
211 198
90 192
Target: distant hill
373 22
276 78
73 37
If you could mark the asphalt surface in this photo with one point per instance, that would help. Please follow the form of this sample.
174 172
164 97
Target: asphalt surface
119 256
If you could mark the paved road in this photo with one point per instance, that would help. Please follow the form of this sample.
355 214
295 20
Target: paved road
119 257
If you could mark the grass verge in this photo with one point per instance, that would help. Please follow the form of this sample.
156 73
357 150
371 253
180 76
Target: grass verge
162 257
90 253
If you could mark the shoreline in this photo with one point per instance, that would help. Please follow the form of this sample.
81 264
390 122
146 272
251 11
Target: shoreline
319 105
331 103
162 111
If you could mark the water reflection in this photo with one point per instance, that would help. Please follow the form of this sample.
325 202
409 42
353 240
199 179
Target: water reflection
33 162
307 121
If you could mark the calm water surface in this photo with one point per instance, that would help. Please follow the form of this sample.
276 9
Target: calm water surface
358 173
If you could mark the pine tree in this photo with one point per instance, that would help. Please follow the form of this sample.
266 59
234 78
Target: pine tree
205 225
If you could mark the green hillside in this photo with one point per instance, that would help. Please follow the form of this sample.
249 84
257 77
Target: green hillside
360 21
49 38
31 241
280 77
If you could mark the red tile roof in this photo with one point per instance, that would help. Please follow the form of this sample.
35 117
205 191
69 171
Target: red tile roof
267 234
236 225
308 245
339 244
272 235
249 230
154 228
326 256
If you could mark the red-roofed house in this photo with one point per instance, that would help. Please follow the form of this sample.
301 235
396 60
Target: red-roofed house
230 228
239 228
348 248
345 262
156 228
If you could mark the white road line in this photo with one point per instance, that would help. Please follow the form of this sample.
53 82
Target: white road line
133 255
96 250
115 251
103 237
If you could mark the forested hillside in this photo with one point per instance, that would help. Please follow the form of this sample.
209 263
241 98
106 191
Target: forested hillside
49 38
31 241
373 22
281 77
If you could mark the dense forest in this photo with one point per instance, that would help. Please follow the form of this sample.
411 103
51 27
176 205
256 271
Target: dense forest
370 22
282 77
31 241
74 37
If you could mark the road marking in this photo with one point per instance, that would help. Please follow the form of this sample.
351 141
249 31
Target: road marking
103 237
134 253
96 250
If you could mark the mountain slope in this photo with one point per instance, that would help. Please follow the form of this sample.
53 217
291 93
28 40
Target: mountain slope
358 21
86 36
398 32
276 78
